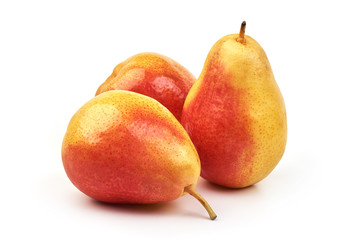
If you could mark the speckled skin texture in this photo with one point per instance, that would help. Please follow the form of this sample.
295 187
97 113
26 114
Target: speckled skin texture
124 147
153 75
235 114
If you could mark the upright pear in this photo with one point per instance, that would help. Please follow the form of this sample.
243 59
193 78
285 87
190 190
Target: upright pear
235 114
124 147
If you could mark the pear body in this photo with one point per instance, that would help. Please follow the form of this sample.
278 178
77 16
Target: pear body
153 75
235 114
124 147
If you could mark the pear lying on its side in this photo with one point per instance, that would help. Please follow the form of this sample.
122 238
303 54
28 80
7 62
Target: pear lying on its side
235 114
124 147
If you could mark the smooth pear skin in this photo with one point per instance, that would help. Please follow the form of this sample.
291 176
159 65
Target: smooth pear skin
235 114
153 75
124 147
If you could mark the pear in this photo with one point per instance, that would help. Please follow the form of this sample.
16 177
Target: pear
153 75
124 147
235 113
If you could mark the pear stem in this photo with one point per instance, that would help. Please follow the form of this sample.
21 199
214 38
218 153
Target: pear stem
242 32
191 190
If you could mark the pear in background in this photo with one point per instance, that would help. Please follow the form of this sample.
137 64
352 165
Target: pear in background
153 75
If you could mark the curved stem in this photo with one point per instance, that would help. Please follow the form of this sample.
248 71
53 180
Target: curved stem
191 190
242 32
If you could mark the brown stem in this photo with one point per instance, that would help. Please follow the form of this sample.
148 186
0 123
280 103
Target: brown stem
242 33
191 190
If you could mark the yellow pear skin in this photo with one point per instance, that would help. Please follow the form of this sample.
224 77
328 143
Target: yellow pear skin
235 114
125 147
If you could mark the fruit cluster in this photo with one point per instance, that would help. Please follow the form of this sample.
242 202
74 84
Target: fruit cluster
153 128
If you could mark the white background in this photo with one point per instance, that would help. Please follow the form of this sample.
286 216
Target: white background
54 55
